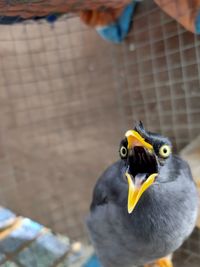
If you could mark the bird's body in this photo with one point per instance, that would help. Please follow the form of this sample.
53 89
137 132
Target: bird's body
163 218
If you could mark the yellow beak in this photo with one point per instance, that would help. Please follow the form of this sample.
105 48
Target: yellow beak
135 192
135 139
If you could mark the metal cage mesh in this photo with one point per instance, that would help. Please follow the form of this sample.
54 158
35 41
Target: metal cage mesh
66 98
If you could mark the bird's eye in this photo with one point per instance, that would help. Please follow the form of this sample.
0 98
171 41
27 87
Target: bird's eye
165 151
123 152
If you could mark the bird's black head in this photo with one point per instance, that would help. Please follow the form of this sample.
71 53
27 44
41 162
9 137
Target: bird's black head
144 154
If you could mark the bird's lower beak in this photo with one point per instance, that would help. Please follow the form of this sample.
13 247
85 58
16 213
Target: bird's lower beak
137 188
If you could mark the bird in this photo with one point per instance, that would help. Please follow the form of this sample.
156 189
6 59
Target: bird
144 206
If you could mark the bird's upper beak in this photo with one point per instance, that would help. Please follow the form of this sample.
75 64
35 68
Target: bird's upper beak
135 139
138 184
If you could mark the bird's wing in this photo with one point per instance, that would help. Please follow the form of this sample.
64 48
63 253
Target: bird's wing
100 195
103 191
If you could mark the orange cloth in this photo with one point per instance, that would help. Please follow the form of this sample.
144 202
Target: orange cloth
100 18
184 11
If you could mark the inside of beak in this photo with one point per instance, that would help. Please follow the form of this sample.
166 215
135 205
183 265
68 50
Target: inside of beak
135 139
137 188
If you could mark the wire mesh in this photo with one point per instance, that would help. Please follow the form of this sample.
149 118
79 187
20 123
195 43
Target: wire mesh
51 95
161 79
67 97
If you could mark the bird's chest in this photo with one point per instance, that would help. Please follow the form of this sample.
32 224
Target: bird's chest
156 228
161 227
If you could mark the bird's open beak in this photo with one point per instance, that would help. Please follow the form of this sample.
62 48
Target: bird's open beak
139 184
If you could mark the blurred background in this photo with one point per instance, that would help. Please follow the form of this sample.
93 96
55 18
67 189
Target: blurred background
67 97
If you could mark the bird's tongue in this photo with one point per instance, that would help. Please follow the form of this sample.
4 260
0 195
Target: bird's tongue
139 179
137 186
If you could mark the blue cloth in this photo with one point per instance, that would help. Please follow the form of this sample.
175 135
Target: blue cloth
44 251
53 17
6 217
93 262
20 236
197 23
117 31
5 20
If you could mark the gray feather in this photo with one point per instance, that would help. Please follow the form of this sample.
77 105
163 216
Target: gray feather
163 218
